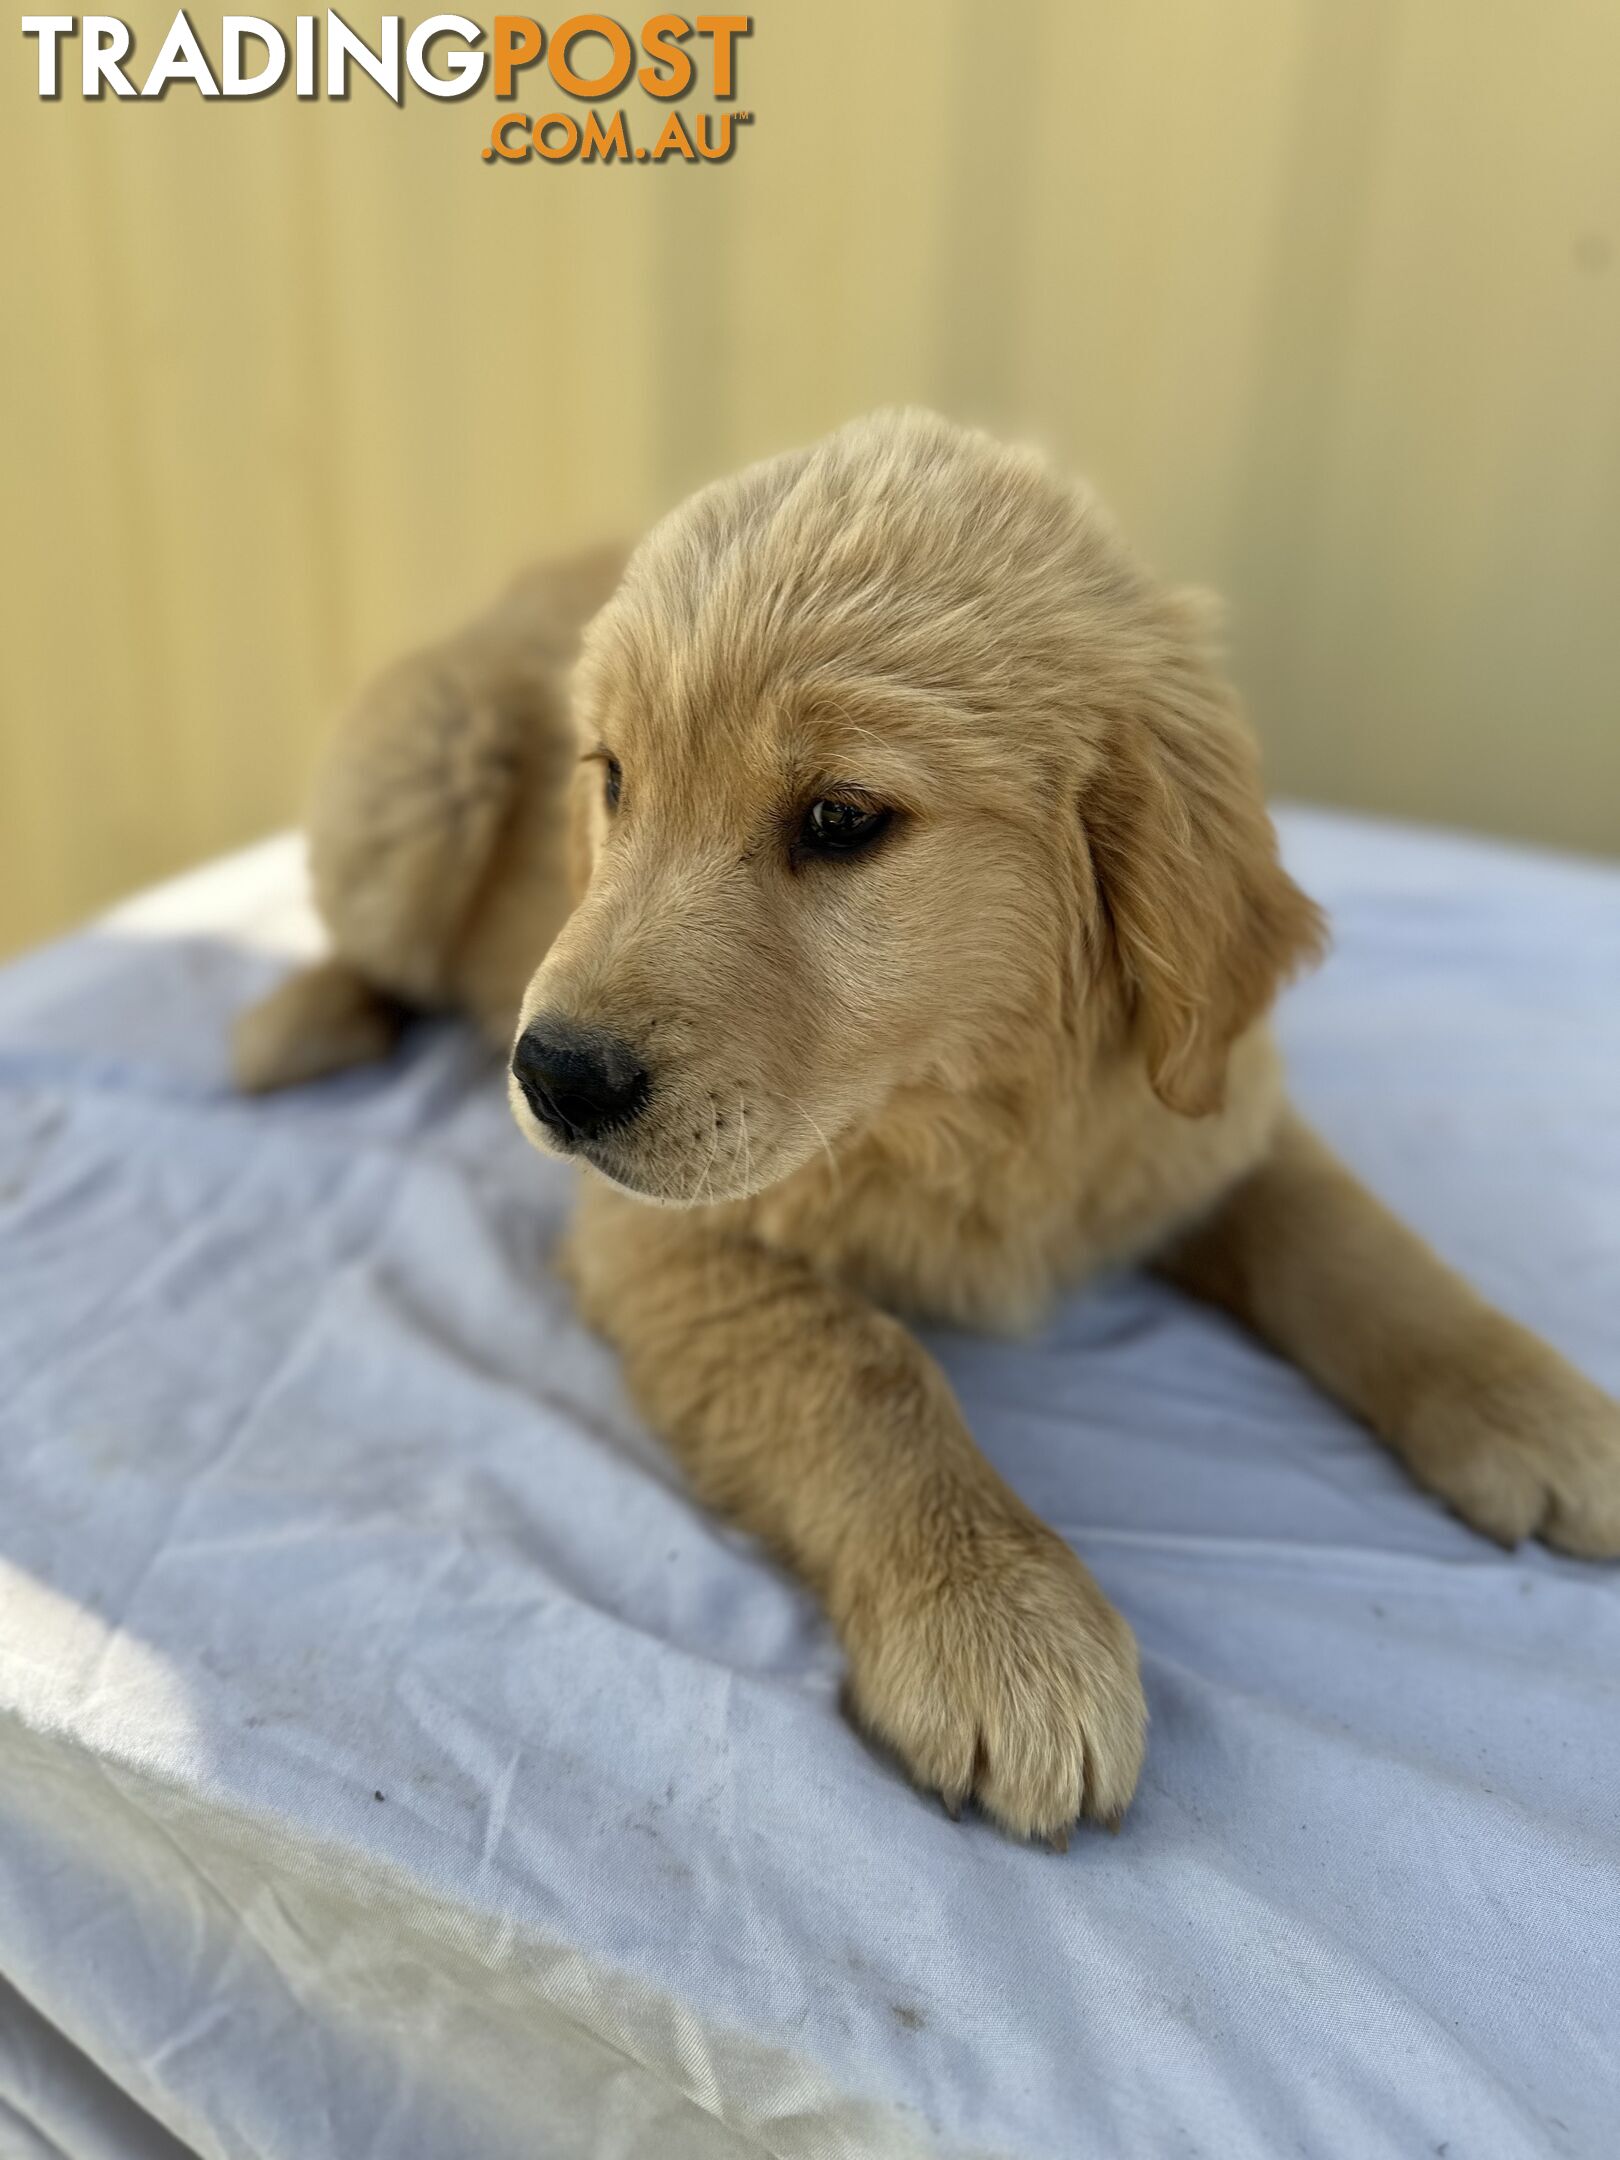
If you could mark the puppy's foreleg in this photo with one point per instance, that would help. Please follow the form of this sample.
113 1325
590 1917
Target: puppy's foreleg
979 1647
1479 1409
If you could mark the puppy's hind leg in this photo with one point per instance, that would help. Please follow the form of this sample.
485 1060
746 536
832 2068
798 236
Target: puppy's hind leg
319 1021
438 836
403 831
1479 1409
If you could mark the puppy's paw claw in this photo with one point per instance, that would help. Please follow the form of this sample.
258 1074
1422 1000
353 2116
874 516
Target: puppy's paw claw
1007 1678
1533 1455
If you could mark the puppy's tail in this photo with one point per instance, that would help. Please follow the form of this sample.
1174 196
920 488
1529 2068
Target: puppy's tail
319 1021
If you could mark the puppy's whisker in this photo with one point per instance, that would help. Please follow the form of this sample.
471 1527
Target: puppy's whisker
705 1191
825 1143
747 1149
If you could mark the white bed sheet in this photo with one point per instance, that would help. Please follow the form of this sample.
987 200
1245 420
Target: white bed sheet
395 1762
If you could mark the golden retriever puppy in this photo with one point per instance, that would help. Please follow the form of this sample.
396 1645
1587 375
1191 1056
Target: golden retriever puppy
889 929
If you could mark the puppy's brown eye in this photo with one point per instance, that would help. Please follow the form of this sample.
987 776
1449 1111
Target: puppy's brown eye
839 828
612 782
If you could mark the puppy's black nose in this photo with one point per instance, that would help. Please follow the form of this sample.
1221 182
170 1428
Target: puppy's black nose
578 1081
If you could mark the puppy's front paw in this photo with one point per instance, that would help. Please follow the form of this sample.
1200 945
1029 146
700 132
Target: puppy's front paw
1527 1449
1003 1675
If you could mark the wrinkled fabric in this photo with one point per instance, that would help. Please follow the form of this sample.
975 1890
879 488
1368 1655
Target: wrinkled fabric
395 1762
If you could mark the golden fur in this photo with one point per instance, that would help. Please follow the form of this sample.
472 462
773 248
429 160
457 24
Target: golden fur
1021 1036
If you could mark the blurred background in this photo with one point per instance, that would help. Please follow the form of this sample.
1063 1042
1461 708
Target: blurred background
1326 297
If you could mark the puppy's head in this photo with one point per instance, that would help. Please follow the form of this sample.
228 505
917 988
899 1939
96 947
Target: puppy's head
895 773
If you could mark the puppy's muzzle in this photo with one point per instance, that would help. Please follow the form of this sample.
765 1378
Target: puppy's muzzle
580 1082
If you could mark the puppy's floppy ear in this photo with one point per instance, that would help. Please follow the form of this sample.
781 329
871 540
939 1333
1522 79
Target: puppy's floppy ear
1204 922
